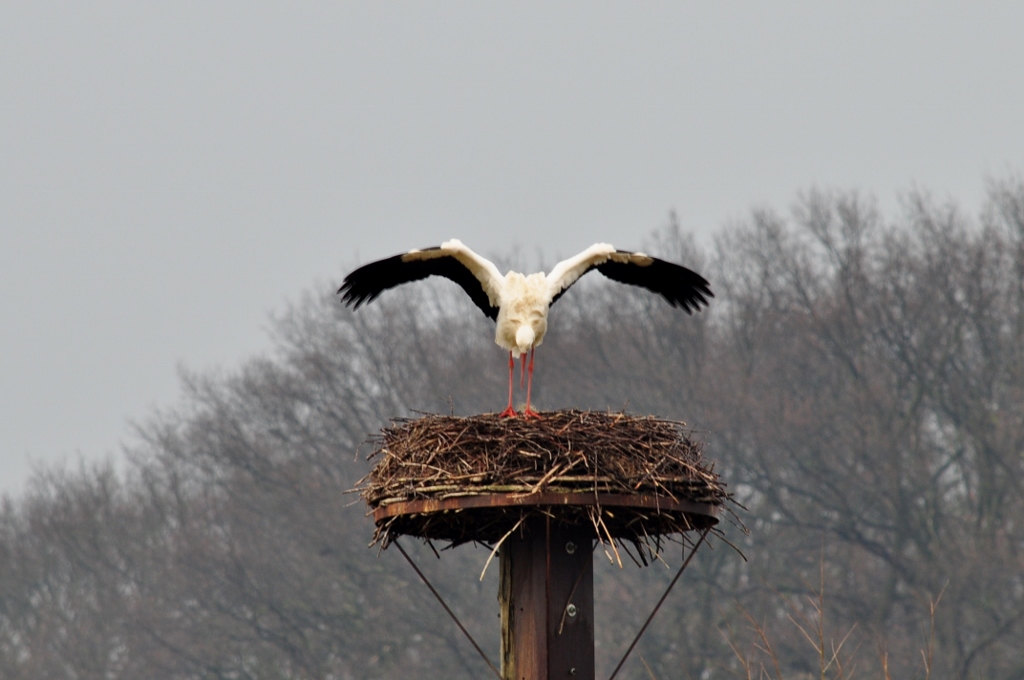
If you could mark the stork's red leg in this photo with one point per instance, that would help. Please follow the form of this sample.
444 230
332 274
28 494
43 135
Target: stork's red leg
509 412
529 412
522 370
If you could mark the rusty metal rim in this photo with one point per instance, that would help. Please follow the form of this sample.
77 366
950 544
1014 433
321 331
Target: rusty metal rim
498 500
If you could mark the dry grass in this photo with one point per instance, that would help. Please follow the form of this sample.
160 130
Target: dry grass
758 659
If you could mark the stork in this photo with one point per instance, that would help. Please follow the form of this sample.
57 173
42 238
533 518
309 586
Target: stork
518 303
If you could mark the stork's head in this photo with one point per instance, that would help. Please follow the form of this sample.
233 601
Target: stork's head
524 338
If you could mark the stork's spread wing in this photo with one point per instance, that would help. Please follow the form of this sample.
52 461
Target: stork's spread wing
568 272
680 286
452 260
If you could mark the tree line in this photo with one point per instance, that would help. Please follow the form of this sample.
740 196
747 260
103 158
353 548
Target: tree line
859 381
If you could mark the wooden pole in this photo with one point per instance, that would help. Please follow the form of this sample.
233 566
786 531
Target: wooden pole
547 602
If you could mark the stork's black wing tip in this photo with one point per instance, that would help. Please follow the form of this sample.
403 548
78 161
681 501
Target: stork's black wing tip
350 297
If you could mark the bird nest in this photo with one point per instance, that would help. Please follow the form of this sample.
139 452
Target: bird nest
477 479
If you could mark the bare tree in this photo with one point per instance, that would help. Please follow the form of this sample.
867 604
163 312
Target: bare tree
858 381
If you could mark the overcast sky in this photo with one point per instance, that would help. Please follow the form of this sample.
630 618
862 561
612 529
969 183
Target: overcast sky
172 173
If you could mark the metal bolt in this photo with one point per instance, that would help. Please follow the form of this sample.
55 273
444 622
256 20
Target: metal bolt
570 547
571 610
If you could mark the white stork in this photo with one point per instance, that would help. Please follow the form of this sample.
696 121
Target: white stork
519 304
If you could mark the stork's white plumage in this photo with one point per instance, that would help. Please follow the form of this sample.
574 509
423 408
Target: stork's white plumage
518 303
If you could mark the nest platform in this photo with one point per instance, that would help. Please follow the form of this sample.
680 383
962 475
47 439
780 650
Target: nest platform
475 479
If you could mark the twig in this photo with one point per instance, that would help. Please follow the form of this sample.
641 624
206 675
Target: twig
498 545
